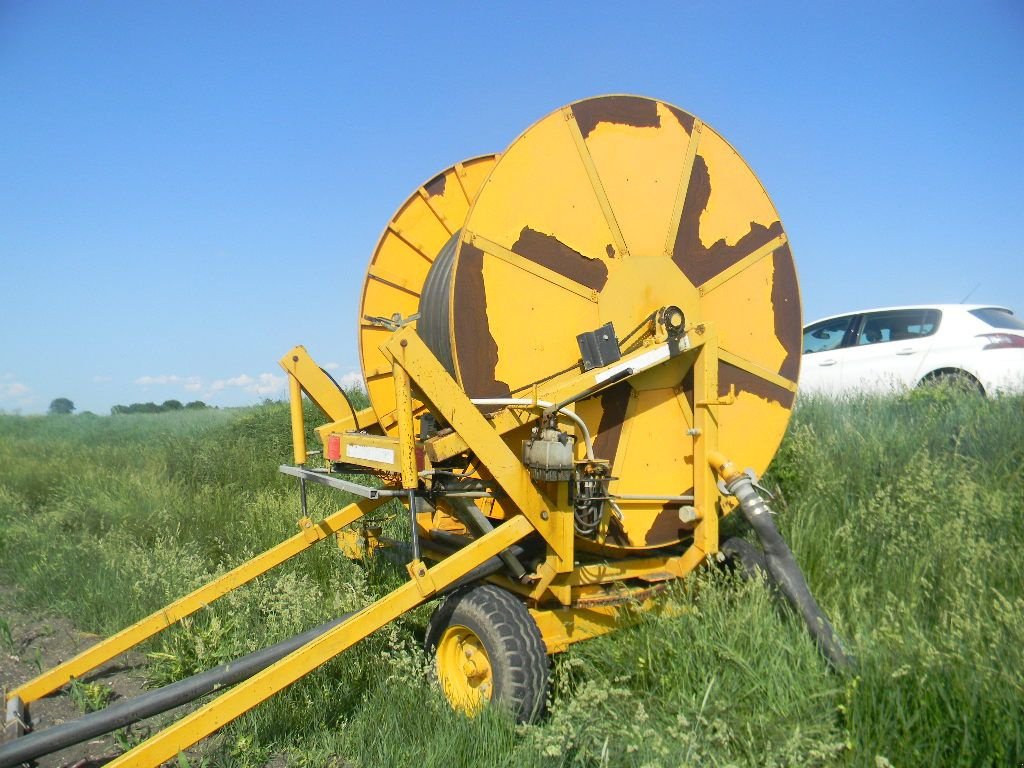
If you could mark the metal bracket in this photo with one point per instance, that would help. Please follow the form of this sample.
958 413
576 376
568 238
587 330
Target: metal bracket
366 491
392 323
729 399
753 481
420 574
14 722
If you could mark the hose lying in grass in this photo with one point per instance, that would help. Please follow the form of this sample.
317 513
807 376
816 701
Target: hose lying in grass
782 566
132 710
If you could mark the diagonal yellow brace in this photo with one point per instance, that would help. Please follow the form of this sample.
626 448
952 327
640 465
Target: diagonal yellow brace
407 349
324 392
243 697
156 622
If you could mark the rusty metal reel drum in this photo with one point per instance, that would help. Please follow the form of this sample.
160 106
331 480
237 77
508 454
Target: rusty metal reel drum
604 211
407 248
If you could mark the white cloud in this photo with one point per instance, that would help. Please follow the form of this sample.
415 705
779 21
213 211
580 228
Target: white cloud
190 383
351 379
148 381
13 389
15 394
263 384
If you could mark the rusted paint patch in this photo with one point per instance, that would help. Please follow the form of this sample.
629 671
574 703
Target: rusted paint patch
667 528
610 250
474 345
786 307
696 261
688 235
685 118
614 402
745 381
624 110
550 252
436 185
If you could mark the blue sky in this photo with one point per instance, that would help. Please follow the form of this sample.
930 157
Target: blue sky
189 189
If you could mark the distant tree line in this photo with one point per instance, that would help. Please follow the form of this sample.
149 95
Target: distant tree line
167 405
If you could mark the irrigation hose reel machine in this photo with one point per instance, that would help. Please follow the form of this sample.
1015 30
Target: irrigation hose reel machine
592 330
579 355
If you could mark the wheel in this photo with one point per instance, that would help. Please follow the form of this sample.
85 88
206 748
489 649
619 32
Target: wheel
954 380
487 648
746 558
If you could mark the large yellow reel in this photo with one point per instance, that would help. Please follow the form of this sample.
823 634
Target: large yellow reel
406 249
604 211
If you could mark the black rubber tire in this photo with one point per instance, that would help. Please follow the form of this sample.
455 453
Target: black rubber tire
957 381
508 633
746 559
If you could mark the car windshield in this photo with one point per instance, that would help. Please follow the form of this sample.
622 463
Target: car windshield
999 318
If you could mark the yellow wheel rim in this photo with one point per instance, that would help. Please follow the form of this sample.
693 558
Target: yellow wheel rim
464 669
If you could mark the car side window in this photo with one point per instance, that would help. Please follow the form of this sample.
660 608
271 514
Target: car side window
897 325
826 335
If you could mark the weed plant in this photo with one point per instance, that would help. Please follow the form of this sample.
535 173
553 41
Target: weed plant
906 514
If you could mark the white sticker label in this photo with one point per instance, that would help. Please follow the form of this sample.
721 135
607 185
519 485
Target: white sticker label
370 453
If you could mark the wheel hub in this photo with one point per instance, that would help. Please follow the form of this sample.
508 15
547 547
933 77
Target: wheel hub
464 669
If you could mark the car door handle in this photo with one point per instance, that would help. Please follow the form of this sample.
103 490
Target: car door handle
906 352
825 363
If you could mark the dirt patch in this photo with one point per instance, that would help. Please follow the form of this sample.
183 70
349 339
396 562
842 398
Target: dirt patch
34 642
31 643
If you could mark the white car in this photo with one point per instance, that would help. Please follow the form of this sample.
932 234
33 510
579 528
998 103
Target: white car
885 350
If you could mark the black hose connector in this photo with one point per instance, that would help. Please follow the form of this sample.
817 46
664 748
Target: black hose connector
123 713
786 574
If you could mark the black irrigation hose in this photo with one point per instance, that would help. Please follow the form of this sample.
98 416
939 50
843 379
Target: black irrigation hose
132 710
787 575
123 713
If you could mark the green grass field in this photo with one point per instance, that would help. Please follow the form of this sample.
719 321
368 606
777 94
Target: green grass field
907 515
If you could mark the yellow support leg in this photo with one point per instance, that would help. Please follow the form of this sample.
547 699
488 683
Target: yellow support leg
156 622
243 697
705 421
298 420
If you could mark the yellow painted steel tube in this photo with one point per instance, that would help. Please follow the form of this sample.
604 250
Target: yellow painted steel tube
156 622
240 699
723 466
298 422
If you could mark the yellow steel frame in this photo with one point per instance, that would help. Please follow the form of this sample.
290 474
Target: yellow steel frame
104 651
243 697
304 375
579 589
559 577
408 353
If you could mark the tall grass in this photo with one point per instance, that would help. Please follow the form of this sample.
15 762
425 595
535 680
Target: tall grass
905 513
